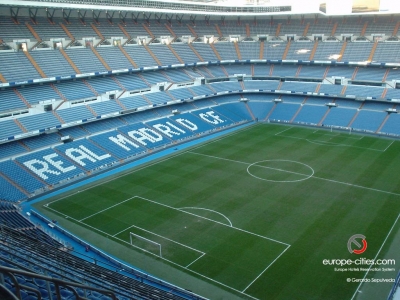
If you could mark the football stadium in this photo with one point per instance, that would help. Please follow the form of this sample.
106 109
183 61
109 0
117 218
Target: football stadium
198 150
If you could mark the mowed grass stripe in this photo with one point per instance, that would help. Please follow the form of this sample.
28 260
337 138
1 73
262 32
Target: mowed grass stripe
316 217
228 251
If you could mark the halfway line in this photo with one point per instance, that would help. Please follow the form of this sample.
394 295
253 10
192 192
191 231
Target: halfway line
316 177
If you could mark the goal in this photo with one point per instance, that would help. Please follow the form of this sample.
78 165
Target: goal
145 244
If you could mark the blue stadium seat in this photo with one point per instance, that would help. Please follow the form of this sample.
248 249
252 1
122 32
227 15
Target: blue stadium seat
170 129
368 120
86 154
144 136
9 192
50 166
339 116
260 109
118 144
311 114
284 112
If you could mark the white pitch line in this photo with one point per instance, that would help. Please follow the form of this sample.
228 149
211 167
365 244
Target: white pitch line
236 228
230 223
316 177
195 260
379 251
388 146
165 238
283 131
266 268
170 261
326 143
106 209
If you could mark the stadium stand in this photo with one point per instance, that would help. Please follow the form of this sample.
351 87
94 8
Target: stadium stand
310 114
52 62
35 164
10 101
24 180
284 112
368 120
15 66
339 117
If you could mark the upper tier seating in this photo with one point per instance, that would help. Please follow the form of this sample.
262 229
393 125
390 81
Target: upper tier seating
134 101
15 66
238 69
357 51
371 74
11 149
185 53
231 27
73 90
163 54
205 51
52 63
387 52
114 58
140 56
104 84
9 128
85 59
33 94
105 107
300 50
75 113
312 71
79 30
284 70
9 100
249 50
109 30
131 82
327 51
39 121
10 31
274 49
41 141
226 50
178 75
47 30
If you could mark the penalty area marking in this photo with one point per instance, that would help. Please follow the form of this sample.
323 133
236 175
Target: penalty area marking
203 253
214 211
327 143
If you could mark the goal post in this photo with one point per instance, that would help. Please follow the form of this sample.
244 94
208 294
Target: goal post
145 244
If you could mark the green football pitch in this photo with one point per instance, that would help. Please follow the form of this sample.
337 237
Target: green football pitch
251 215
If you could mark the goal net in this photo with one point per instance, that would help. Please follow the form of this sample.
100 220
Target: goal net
145 244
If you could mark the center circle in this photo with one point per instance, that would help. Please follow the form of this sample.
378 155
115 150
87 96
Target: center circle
280 170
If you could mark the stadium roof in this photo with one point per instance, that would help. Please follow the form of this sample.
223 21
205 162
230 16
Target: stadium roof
221 7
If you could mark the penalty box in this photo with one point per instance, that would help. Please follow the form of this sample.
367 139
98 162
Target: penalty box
208 246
